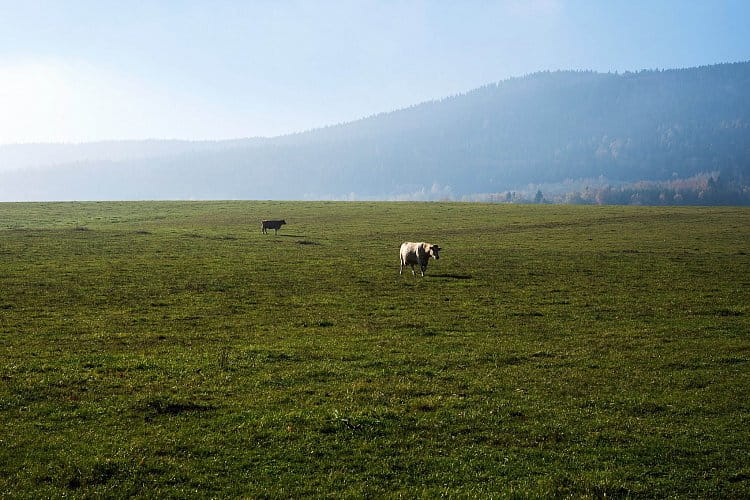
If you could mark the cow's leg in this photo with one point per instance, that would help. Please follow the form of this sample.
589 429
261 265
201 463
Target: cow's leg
412 270
400 267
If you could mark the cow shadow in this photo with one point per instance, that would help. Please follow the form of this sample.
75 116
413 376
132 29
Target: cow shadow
301 240
452 276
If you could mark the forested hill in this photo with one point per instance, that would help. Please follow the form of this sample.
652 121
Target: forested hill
547 128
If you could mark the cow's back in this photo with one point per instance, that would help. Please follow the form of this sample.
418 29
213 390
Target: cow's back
409 252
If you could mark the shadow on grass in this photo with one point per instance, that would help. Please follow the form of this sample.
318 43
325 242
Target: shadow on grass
301 240
204 236
156 406
452 276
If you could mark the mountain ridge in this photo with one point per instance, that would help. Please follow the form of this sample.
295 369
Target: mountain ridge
541 128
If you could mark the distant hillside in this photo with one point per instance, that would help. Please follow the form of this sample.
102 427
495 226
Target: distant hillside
551 129
17 156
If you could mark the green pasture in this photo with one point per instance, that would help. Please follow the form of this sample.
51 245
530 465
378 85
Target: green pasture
169 349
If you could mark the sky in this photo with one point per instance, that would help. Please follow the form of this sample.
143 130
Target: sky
77 71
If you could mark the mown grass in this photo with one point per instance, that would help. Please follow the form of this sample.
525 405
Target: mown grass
170 349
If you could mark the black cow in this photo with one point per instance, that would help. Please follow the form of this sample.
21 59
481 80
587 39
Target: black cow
265 225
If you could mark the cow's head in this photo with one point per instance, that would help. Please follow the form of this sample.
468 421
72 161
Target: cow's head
282 222
434 251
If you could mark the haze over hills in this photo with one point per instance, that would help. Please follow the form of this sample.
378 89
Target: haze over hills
18 156
557 132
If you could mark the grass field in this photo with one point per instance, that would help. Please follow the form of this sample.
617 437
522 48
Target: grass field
169 349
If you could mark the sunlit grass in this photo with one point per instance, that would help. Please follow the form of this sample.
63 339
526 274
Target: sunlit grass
171 349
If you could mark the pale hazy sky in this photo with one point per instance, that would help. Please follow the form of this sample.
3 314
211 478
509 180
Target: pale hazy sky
73 71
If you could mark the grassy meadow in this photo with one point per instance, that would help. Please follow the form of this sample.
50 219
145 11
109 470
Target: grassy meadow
169 349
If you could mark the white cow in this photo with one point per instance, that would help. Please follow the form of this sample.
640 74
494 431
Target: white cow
417 253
